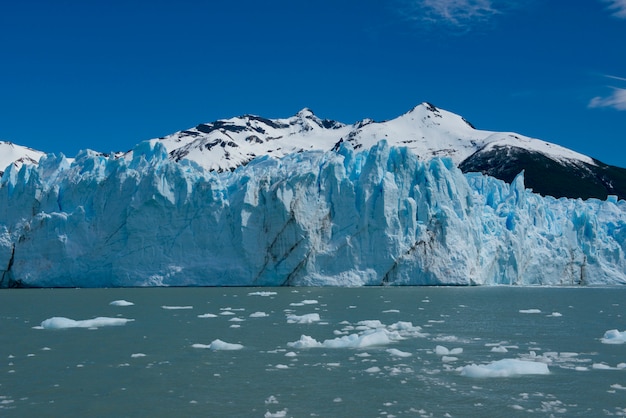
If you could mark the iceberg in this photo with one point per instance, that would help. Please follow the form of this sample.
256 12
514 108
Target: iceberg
347 217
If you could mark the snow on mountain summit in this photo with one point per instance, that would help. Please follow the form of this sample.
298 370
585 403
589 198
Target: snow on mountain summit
18 155
426 130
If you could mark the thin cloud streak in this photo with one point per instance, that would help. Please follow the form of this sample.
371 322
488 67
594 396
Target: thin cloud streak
617 7
617 100
459 13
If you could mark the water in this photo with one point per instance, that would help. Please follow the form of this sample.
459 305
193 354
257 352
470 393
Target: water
150 367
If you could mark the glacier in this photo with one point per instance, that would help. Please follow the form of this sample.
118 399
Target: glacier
379 216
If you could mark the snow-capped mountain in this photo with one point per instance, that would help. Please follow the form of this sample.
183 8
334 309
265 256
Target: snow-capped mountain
17 155
426 130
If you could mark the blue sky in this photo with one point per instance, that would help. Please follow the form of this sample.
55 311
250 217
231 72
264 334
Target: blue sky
108 74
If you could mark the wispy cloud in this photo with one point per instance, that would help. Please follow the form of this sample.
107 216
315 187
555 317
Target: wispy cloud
617 8
617 100
459 13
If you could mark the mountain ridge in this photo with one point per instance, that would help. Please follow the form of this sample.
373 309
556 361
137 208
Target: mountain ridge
426 130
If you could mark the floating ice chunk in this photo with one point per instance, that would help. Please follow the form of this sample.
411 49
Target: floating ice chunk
173 308
271 400
310 302
391 311
397 353
207 315
137 355
530 311
277 414
602 366
555 315
121 303
505 368
58 322
219 345
305 342
258 315
373 370
262 294
290 354
499 349
440 350
448 359
236 320
613 336
281 366
618 386
303 319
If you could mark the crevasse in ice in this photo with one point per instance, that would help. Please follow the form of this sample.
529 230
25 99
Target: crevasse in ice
341 218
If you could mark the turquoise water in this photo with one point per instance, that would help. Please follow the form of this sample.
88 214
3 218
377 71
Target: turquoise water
164 361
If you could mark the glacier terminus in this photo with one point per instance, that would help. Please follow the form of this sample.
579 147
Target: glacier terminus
353 212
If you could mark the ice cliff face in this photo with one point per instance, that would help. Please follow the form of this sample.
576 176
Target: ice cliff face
344 217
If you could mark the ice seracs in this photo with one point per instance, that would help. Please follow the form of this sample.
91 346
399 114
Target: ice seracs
350 217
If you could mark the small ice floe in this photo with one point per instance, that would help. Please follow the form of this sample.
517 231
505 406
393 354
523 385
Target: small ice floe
618 386
530 311
258 315
219 345
137 355
277 414
303 319
121 303
304 302
555 315
499 349
265 294
440 350
207 315
59 322
271 400
397 353
613 336
505 368
281 366
174 308
373 369
391 311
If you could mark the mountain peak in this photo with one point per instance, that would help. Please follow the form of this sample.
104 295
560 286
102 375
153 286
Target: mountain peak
305 113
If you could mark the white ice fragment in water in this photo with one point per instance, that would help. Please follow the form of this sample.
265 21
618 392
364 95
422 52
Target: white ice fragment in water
505 368
397 353
59 322
499 349
613 336
440 350
277 414
219 345
281 366
303 319
530 311
174 308
207 315
271 400
290 354
373 370
391 311
121 303
448 359
555 315
262 293
137 355
258 315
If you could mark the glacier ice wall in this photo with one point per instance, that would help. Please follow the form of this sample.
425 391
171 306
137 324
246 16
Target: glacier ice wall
312 218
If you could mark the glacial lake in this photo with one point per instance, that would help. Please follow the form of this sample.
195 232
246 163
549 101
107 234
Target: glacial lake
312 352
